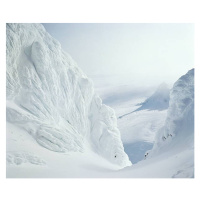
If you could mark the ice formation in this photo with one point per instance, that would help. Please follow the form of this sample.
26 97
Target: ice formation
53 100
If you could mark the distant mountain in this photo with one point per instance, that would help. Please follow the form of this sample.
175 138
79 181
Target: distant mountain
159 100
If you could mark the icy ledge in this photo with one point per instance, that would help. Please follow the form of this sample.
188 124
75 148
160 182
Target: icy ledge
53 100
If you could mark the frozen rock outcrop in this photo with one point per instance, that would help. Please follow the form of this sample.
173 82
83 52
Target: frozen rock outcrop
53 100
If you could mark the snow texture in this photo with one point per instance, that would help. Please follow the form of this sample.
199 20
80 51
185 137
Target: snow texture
53 100
178 132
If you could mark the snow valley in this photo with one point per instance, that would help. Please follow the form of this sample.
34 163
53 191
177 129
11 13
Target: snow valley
60 125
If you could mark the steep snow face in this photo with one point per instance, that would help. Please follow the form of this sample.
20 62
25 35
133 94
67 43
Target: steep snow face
178 131
53 100
157 101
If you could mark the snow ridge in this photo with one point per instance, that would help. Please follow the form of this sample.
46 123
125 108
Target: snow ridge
53 100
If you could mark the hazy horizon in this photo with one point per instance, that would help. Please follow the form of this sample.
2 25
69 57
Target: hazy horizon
140 54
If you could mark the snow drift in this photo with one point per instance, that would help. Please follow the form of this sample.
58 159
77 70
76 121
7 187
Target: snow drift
178 132
53 100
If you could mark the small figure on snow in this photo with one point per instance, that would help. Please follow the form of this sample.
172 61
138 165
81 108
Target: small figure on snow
146 155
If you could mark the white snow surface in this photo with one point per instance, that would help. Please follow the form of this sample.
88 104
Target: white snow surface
52 103
51 99
177 134
179 124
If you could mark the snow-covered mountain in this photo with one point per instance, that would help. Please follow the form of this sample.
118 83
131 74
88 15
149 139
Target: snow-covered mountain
179 125
177 135
50 98
159 100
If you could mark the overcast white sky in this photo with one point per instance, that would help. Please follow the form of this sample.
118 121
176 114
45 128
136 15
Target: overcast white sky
145 54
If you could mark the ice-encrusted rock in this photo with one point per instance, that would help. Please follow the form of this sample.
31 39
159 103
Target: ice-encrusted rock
178 131
53 100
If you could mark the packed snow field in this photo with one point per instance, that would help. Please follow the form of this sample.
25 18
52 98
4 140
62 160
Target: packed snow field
57 125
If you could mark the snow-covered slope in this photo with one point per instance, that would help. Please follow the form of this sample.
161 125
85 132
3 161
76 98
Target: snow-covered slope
51 98
177 135
178 130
